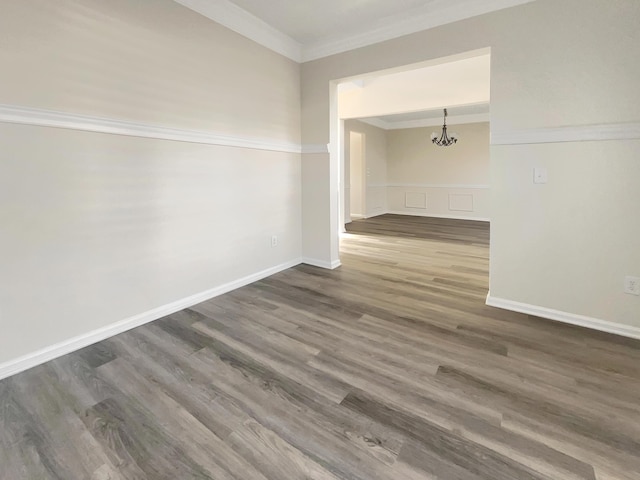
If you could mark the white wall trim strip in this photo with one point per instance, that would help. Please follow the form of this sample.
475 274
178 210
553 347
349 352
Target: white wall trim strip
240 21
314 262
585 133
51 118
565 317
54 351
435 215
438 185
312 148
402 24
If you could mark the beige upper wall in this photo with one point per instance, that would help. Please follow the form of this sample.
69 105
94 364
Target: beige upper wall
554 63
414 159
153 62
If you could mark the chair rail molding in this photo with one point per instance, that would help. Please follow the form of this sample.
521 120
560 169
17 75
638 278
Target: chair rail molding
56 119
574 133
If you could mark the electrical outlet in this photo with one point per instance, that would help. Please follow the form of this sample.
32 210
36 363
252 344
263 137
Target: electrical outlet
274 240
632 285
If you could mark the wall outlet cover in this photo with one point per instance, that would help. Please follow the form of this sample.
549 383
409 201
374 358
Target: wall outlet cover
632 285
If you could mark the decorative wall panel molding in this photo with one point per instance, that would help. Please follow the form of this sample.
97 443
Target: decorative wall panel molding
415 200
438 185
72 121
460 202
585 133
565 317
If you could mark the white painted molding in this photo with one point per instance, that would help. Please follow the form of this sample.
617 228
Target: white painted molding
375 122
427 122
565 317
315 148
584 133
72 121
54 351
439 185
240 21
314 262
404 24
435 215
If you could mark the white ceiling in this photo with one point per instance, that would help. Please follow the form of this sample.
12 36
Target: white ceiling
305 30
310 21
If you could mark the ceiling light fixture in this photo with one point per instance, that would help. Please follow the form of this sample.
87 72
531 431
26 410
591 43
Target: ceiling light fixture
444 140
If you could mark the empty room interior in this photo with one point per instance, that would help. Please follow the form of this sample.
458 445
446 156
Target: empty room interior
251 240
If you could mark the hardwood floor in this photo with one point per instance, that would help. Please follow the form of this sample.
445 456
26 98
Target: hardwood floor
390 367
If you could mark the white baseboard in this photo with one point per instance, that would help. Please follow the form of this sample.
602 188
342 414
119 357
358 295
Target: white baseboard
46 354
437 215
565 317
314 262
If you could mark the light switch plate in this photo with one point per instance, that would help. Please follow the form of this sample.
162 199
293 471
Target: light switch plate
540 175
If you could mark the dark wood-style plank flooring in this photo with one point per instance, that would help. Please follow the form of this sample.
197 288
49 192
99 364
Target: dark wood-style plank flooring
390 367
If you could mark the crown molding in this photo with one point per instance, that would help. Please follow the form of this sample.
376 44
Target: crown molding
49 118
399 25
432 15
427 122
240 21
578 133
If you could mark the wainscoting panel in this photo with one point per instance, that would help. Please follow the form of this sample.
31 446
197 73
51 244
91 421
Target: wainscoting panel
444 201
415 200
461 202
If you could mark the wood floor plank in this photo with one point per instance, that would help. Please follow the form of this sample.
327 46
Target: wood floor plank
390 367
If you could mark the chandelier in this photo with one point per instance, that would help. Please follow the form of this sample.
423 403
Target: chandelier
444 140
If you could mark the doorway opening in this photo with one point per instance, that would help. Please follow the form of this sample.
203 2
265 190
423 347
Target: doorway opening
356 182
381 152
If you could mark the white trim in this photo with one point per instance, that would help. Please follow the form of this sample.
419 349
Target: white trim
54 351
578 133
565 317
405 24
51 118
435 215
374 122
439 185
315 148
427 122
240 21
314 262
